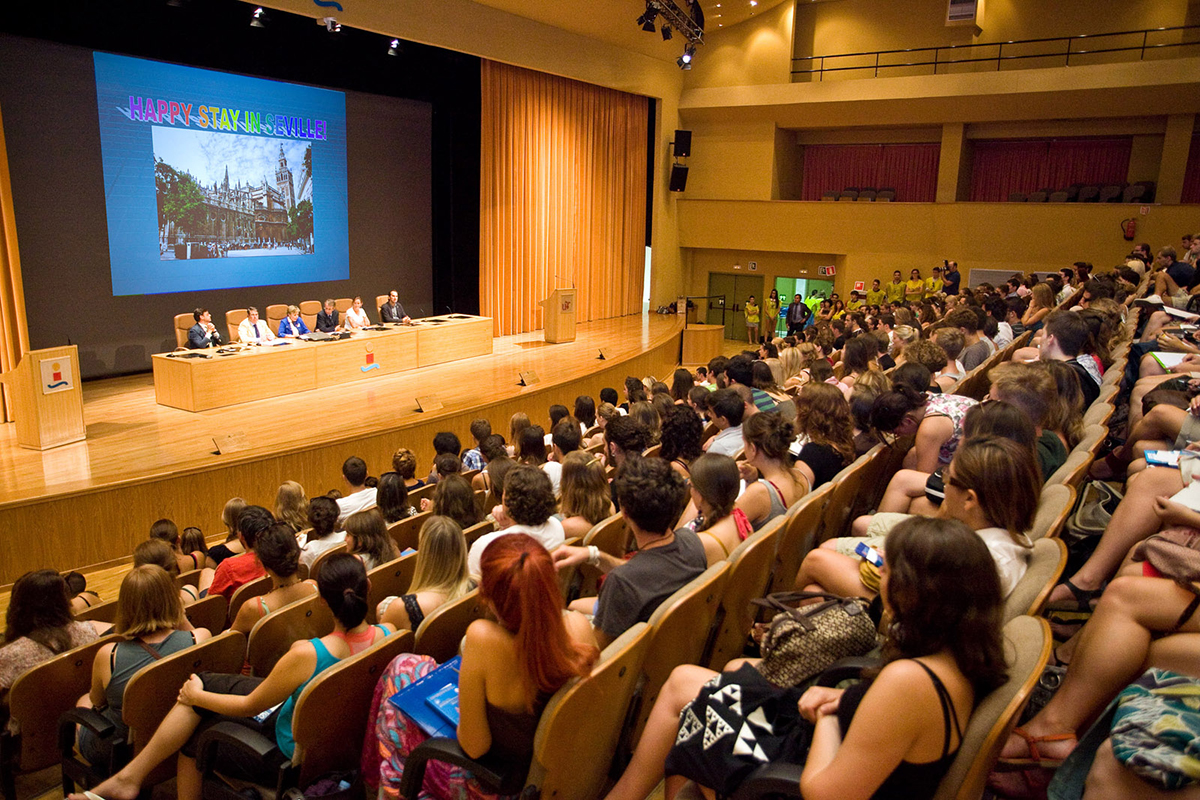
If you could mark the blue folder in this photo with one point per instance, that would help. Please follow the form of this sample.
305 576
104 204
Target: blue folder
432 701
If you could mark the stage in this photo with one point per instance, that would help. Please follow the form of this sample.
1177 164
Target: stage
89 503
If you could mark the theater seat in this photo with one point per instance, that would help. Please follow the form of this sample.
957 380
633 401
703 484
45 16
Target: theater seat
183 324
441 632
275 314
232 320
392 578
308 313
272 635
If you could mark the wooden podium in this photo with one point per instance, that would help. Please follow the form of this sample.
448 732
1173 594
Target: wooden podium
560 316
47 400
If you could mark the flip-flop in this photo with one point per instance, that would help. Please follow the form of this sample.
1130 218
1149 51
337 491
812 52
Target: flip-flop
1081 599
1035 758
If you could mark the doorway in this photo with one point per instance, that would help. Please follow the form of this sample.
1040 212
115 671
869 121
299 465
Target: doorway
788 288
735 288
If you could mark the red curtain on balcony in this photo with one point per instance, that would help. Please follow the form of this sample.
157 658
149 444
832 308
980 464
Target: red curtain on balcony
1191 175
910 169
1002 167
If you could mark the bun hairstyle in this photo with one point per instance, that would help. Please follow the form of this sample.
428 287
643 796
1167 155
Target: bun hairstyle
891 407
157 552
770 433
278 550
342 583
519 582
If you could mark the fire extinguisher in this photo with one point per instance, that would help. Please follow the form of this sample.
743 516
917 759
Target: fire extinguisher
1129 228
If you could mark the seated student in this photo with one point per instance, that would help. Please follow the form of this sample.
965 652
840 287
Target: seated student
585 412
404 461
292 326
894 736
167 531
81 598
645 414
473 458
361 497
558 412
935 419
279 554
440 575
253 330
529 503
235 571
492 448
681 436
510 668
209 698
1065 414
367 538
327 318
992 485
1063 338
651 496
609 395
604 414
1030 388
712 514
825 442
151 618
38 625
203 333
160 554
565 439
454 498
585 495
291 505
391 498
624 440
532 451
443 442
322 518
231 546
726 409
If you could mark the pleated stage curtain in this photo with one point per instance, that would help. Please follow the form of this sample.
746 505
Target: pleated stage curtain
910 169
1002 167
1191 175
14 331
562 197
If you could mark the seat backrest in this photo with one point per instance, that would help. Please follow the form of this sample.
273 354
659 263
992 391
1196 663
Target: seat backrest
380 302
877 462
886 195
1017 197
308 312
325 556
1053 509
101 612
1027 648
152 692
1093 438
1099 414
42 694
440 632
254 588
406 532
275 314
183 324
1059 197
478 529
749 574
1133 192
799 535
232 320
611 535
392 578
189 578
578 733
679 630
211 612
416 495
652 450
342 304
328 723
1038 197
1088 194
847 484
1073 469
1046 565
272 635
1111 193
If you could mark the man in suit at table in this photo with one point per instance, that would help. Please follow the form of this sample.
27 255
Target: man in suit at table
392 311
327 318
253 330
203 333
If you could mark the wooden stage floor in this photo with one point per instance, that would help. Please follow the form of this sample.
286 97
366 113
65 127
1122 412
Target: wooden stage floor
88 503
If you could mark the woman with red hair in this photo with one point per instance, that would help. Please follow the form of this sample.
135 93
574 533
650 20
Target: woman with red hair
510 668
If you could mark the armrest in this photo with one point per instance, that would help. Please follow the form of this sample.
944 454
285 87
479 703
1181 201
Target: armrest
771 779
498 776
237 736
845 669
88 718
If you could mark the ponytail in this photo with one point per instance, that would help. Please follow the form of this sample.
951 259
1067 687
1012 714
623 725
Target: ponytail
342 583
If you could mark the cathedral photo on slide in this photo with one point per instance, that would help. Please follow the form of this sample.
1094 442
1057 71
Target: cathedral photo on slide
229 196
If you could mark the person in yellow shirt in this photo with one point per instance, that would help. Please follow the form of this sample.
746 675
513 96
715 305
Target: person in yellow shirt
770 315
914 290
895 289
875 295
855 302
933 284
752 317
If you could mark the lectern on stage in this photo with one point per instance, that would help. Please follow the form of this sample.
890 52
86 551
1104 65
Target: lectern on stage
560 316
47 401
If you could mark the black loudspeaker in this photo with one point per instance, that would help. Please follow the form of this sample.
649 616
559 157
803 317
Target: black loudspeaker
683 144
678 177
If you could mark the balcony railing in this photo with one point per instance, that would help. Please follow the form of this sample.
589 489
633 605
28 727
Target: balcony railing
1084 49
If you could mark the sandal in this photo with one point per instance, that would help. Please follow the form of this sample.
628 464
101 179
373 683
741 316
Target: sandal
1081 600
1034 759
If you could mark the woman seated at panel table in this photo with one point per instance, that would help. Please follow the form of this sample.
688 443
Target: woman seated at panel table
292 326
356 317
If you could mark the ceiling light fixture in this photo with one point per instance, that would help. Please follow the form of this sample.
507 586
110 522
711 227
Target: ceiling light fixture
259 18
666 33
394 48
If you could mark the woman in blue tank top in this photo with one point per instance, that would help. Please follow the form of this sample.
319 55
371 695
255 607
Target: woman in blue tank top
210 698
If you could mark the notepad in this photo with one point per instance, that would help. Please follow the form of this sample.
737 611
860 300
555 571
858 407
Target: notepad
428 702
1168 360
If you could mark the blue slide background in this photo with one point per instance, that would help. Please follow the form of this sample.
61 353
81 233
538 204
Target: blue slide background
129 189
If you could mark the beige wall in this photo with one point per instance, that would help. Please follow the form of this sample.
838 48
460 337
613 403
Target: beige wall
757 51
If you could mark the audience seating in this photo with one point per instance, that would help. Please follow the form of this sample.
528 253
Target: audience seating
101 612
478 529
149 695
847 484
329 725
1059 197
232 320
1099 414
255 588
392 578
1111 193
189 578
273 634
308 313
798 535
440 633
37 698
1055 507
209 612
1038 197
1073 470
576 737
318 561
1088 194
183 324
885 196
749 577
1046 565
1093 438
1027 646
407 532
425 492
612 536
1017 197
380 302
848 194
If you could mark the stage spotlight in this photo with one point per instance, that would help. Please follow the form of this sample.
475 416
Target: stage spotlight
394 48
689 52
648 25
331 24
259 18
683 64
666 33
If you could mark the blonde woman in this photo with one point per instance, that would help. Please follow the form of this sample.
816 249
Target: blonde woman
585 495
1041 305
440 576
291 505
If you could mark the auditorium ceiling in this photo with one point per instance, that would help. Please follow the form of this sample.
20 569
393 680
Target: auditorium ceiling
613 21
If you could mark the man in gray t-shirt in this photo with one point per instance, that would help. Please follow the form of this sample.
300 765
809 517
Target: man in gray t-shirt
652 495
